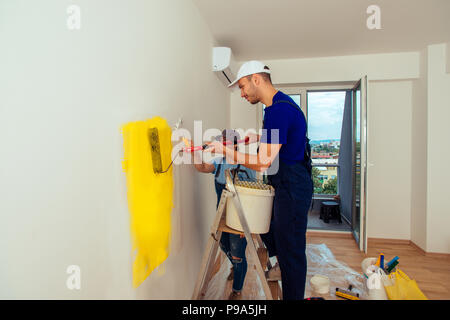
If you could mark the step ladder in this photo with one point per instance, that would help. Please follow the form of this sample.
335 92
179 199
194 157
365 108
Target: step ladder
272 289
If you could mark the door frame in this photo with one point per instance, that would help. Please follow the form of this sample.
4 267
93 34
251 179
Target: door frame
362 238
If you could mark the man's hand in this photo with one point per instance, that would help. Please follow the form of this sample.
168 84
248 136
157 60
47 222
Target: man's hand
215 147
197 159
251 138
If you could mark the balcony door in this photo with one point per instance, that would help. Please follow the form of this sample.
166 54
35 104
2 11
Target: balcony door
359 158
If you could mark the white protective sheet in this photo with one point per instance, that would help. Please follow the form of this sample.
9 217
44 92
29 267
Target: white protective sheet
320 261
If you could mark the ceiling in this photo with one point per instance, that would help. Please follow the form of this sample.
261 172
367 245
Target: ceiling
282 29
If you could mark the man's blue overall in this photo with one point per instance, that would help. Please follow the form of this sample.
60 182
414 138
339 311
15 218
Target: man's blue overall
287 235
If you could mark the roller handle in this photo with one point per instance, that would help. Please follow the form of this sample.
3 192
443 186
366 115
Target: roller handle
192 149
203 147
239 141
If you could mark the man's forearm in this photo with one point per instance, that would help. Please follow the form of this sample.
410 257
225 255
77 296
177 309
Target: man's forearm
198 161
251 161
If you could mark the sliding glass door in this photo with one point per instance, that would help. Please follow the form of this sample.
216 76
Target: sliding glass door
359 158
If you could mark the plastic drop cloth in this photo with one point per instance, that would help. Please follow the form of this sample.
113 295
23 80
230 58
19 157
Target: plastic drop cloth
320 261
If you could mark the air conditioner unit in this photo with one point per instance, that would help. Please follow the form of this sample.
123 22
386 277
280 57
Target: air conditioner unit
224 65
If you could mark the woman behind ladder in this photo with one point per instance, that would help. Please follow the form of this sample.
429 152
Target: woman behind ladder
233 245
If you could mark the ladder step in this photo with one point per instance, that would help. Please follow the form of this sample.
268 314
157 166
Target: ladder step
275 289
224 228
263 257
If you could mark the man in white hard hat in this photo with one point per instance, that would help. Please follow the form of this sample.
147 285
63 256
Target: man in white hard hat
283 119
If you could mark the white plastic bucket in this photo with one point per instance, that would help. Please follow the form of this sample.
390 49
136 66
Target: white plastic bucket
366 263
257 205
370 269
320 284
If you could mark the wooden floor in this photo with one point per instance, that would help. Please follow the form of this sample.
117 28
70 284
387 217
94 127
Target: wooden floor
431 271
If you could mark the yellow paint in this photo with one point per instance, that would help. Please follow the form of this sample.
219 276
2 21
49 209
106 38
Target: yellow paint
149 196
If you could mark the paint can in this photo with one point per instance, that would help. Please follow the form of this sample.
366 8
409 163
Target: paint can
257 202
320 284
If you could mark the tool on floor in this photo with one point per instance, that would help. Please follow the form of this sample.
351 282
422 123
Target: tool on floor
391 267
392 261
381 261
272 289
347 294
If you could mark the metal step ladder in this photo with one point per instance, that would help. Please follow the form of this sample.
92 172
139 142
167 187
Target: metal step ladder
272 289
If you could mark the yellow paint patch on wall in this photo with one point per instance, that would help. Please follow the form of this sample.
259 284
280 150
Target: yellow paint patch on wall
149 195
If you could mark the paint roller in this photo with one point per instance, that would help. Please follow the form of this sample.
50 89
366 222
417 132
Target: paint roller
153 138
347 294
155 149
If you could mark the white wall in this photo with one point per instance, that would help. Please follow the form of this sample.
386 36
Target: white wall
63 97
243 114
386 66
438 211
389 179
447 54
419 155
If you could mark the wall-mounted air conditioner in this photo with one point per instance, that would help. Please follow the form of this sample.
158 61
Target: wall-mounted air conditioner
224 65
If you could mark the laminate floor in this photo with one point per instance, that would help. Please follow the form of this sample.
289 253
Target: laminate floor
431 271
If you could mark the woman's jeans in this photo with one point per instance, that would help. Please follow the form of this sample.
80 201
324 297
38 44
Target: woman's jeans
233 246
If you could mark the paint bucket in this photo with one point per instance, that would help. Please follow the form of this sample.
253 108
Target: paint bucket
366 263
257 201
375 278
320 284
376 290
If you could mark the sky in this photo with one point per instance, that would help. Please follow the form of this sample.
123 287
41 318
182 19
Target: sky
325 112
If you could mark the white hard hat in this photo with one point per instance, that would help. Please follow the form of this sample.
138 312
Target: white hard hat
248 68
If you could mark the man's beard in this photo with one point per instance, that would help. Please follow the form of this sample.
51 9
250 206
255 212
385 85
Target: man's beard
254 101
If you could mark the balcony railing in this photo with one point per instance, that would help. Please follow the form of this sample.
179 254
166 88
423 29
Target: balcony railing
325 187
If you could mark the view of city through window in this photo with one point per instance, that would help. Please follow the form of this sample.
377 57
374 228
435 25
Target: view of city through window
325 113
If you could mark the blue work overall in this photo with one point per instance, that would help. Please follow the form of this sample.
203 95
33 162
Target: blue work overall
287 235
